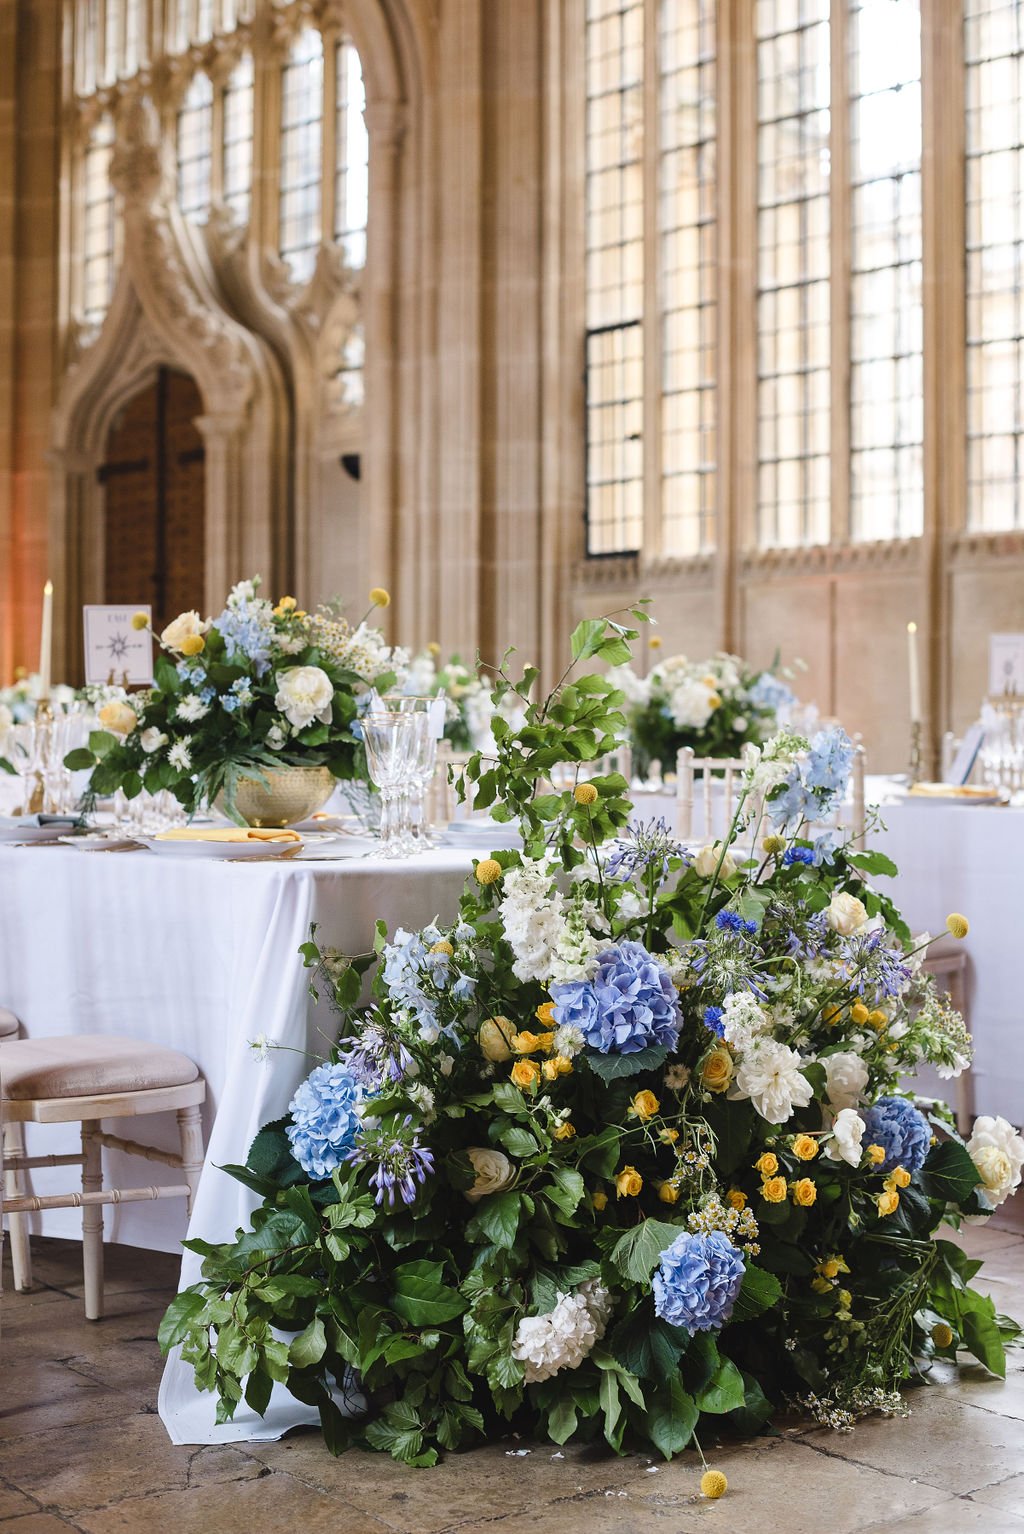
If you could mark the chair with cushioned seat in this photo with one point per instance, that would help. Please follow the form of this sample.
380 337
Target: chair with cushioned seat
85 1078
14 1146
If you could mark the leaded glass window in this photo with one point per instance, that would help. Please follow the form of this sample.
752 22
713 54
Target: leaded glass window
238 133
98 223
302 94
195 148
351 190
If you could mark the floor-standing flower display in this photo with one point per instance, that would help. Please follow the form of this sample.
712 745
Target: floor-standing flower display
621 1144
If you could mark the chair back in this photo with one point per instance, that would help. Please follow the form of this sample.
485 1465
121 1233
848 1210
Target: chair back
720 779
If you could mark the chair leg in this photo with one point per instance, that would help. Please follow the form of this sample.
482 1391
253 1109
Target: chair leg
190 1128
92 1220
14 1184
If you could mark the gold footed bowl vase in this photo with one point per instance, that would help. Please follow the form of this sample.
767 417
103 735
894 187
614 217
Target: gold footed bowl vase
290 794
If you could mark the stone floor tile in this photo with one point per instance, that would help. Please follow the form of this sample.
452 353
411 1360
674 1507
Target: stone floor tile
37 1523
102 1462
958 1516
267 1503
1008 1494
13 1503
40 1394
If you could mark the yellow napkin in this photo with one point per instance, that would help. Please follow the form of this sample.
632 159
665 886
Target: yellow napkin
227 834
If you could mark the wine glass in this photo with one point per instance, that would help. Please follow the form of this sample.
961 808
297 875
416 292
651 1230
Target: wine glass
428 715
390 739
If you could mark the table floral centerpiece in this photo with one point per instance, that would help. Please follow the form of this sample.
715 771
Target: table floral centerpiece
715 706
619 1150
255 708
471 702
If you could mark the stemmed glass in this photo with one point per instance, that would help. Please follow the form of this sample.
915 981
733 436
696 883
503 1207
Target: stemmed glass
24 753
421 708
390 738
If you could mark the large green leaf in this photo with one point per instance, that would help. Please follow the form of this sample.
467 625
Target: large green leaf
497 1218
420 1297
671 1418
759 1292
612 1067
981 1333
309 1346
638 1252
725 1390
179 1318
949 1173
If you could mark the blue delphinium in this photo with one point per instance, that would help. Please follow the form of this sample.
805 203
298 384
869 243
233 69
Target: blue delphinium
405 970
901 1131
248 630
814 787
830 760
629 1005
697 1281
325 1119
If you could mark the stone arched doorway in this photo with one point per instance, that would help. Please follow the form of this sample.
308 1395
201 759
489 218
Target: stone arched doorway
154 513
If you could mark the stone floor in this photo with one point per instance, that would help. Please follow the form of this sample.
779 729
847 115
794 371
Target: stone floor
81 1447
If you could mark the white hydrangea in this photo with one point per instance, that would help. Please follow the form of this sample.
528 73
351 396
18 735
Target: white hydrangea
997 1150
846 1076
563 1337
636 688
743 1020
770 1075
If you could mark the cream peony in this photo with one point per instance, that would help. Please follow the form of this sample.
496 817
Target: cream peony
152 739
707 858
846 1076
769 1074
846 914
494 1172
185 626
847 1134
118 718
997 1150
304 693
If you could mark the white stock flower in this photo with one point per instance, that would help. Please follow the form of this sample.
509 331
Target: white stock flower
707 858
997 1150
845 914
562 1338
192 709
152 739
769 1074
532 918
847 1134
494 1172
304 693
846 1076
743 1020
185 626
630 906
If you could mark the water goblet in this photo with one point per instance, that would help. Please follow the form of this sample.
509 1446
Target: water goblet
390 741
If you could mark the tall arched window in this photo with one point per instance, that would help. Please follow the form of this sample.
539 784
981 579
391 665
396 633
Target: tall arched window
98 223
237 140
351 176
302 96
195 148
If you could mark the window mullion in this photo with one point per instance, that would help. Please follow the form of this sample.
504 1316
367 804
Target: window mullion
840 260
653 304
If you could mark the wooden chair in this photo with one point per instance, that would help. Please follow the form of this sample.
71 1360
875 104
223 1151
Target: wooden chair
85 1078
947 962
13 1182
724 773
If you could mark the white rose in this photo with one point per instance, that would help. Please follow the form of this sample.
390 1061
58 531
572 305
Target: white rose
152 739
692 703
707 858
997 1150
846 1076
185 626
846 914
304 693
494 1171
847 1134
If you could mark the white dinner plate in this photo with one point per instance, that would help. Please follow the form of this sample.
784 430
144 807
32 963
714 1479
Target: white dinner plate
24 835
222 851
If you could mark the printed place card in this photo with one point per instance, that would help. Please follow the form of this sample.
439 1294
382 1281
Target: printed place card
114 651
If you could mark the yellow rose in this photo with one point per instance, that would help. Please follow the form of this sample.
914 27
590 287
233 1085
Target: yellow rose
379 597
599 1199
670 1136
845 1298
557 1066
774 1190
876 1154
545 1013
716 1072
565 1131
488 871
628 1182
118 718
859 1013
645 1106
546 1041
899 1177
878 1020
831 1016
285 606
767 1165
526 1074
804 1192
805 1147
495 1039
668 1193
585 793
526 1043
185 626
888 1202
821 1286
736 1198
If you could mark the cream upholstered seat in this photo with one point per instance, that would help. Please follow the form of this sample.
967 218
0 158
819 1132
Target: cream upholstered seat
86 1078
9 1024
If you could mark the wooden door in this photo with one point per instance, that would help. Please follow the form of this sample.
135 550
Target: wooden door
154 483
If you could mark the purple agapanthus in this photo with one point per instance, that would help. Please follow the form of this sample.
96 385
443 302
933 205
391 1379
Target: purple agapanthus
876 972
378 1057
642 849
400 1162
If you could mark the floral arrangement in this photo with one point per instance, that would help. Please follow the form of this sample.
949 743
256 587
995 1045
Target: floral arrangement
469 695
258 687
715 706
620 1148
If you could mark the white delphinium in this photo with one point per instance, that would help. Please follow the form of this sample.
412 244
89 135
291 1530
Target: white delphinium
846 1076
769 765
563 1337
192 708
997 1150
744 1020
576 949
844 1144
770 1075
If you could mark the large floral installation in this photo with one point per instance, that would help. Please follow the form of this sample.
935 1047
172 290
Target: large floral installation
715 706
620 1148
259 687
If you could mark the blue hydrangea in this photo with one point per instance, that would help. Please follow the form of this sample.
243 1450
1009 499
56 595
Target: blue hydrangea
629 1005
902 1132
769 692
325 1119
697 1281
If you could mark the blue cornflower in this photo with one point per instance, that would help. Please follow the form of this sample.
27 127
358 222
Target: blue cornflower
325 1119
629 1005
713 1020
400 1162
732 921
798 855
644 847
901 1131
697 1281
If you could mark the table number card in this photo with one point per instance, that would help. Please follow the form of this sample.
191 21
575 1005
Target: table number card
1005 664
114 650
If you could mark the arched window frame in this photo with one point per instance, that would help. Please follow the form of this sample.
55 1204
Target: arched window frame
96 220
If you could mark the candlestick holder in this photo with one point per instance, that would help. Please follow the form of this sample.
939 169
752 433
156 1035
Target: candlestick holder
915 751
43 723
